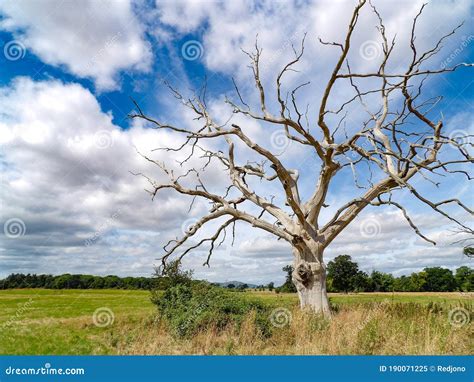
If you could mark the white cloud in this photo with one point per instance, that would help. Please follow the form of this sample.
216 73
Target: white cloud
65 174
381 239
66 170
229 26
94 39
185 16
66 165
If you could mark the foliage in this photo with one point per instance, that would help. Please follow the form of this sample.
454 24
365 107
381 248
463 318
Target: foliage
418 281
361 282
288 286
382 282
439 280
190 308
464 278
344 276
171 275
342 270
468 251
68 281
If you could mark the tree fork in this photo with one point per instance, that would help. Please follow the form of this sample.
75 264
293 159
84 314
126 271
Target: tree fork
390 154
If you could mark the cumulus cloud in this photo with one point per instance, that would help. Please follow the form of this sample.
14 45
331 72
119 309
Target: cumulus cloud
229 26
66 164
66 174
96 39
225 28
377 240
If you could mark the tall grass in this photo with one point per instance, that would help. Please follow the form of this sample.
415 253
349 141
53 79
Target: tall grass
61 322
369 328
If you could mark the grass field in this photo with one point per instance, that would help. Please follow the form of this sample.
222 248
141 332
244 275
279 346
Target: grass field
35 321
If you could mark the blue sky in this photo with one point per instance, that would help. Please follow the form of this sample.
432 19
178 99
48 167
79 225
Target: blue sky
67 76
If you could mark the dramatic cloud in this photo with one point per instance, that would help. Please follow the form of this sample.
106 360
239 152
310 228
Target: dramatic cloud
66 181
227 27
66 174
94 39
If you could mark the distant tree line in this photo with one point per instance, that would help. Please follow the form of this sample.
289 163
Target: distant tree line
344 276
68 281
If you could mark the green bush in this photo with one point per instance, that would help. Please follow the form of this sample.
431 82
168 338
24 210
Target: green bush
190 308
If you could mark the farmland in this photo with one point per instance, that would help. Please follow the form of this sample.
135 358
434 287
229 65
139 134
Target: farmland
39 321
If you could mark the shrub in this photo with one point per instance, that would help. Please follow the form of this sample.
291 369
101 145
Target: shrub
171 275
190 308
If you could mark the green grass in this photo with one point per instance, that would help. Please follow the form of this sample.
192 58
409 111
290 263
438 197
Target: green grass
287 299
35 321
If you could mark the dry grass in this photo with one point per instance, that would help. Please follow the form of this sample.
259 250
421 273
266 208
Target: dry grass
61 322
363 329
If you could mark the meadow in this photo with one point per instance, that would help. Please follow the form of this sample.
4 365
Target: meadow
39 321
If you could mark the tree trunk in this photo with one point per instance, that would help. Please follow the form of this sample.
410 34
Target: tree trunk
309 277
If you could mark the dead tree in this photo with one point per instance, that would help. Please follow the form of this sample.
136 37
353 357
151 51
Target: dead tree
395 143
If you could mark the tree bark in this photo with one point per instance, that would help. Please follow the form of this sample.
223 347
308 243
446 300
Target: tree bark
309 277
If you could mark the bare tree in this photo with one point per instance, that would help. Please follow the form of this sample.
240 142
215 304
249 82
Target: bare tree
395 143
